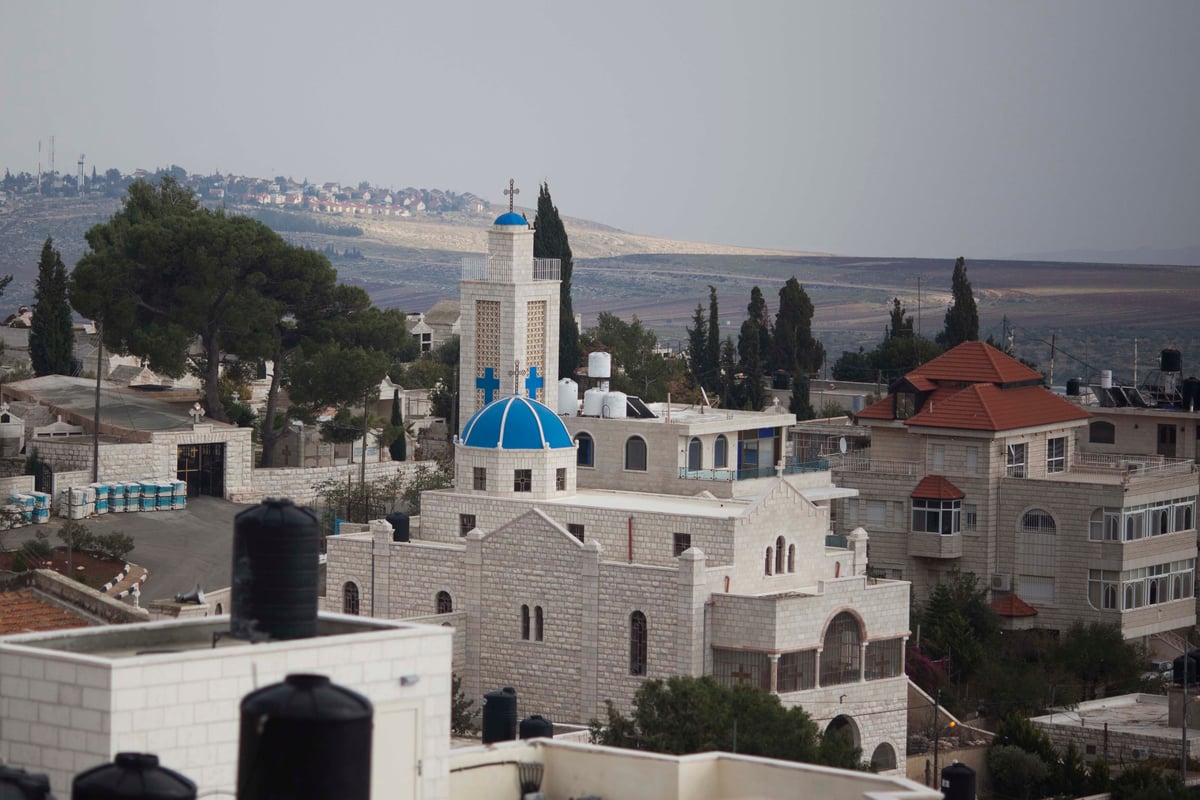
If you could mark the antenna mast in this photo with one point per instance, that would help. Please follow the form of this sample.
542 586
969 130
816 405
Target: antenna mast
79 177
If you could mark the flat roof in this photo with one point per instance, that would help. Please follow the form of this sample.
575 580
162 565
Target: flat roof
653 503
120 407
1142 714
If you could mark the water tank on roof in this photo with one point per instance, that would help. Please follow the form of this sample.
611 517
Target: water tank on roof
1192 661
568 397
599 365
1074 386
593 402
305 737
132 776
1171 360
500 715
276 550
958 782
1106 379
400 526
614 405
1190 392
17 784
536 727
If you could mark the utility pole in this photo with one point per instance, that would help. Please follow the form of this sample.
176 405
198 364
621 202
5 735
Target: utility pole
96 416
937 701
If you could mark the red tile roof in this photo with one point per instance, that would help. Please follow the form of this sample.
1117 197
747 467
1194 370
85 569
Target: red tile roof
23 611
985 407
976 362
1013 606
935 487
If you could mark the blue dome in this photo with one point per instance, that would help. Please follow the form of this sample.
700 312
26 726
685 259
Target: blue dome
511 218
516 423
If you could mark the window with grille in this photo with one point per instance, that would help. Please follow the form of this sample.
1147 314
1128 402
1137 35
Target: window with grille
638 641
797 671
480 479
734 667
522 480
841 658
1037 521
466 524
885 659
560 479
444 603
576 530
970 517
682 542
1014 460
350 599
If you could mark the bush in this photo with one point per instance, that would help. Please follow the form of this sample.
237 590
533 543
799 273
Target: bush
76 535
38 549
114 545
19 563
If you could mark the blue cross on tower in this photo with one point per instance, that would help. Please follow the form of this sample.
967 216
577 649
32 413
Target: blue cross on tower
533 382
489 383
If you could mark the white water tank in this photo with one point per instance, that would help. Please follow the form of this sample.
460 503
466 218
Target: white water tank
599 365
568 397
593 402
1106 379
614 405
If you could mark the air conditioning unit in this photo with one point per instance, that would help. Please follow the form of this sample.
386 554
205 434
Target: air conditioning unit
1140 753
1001 582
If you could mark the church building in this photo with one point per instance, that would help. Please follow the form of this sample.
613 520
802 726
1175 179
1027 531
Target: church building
580 554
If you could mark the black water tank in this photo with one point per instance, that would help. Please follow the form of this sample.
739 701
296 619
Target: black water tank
536 727
958 782
1171 360
17 784
1073 386
132 776
500 715
305 738
399 522
1192 659
276 550
1191 393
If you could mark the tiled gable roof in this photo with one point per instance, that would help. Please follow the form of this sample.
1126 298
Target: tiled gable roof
936 487
975 362
1013 606
985 407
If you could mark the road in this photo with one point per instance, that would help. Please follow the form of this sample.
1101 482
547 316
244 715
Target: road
179 548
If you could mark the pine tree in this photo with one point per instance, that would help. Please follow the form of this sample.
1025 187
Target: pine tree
901 322
962 317
398 449
728 371
793 345
550 241
51 337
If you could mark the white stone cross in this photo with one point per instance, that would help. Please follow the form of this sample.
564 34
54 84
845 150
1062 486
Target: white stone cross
196 413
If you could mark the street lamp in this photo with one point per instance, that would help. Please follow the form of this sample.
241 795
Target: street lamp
299 423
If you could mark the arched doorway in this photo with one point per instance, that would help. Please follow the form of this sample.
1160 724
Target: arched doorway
844 728
884 757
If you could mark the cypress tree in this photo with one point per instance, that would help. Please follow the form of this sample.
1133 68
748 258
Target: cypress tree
550 241
714 342
793 345
398 449
51 338
800 403
962 317
697 351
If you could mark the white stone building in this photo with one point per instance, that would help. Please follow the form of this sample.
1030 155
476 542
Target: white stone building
588 554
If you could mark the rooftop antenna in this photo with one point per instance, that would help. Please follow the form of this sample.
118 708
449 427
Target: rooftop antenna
51 156
79 176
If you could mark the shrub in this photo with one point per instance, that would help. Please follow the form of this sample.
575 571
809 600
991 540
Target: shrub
114 545
76 536
19 564
38 549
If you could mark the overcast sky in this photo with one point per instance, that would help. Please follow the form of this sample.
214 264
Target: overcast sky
867 128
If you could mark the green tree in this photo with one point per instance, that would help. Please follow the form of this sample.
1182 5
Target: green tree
697 348
899 355
730 396
1099 657
962 317
800 404
901 323
51 337
793 345
550 241
852 366
638 370
1016 773
164 273
713 351
958 623
462 712
754 348
399 445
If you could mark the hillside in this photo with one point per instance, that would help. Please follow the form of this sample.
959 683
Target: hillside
1095 310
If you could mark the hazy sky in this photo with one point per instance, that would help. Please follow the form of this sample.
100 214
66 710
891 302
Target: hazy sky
883 128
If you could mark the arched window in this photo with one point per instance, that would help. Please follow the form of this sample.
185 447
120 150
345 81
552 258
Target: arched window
770 561
635 453
220 609
585 450
883 758
1037 520
538 622
780 554
525 622
695 455
1101 432
721 453
445 603
791 558
637 643
350 598
841 658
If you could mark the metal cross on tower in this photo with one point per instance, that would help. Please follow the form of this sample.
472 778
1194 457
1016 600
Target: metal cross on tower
512 192
516 374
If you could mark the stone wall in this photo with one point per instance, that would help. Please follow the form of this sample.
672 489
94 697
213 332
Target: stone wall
299 484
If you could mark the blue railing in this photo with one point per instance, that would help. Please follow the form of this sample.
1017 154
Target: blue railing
835 540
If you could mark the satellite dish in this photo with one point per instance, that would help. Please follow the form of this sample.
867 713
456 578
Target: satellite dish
842 444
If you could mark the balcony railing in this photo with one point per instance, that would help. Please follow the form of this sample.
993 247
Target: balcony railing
503 270
725 474
1133 465
862 462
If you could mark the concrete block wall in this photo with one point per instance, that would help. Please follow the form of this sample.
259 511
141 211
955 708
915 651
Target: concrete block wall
299 483
349 560
65 712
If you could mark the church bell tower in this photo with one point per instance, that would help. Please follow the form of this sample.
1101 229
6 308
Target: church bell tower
509 318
